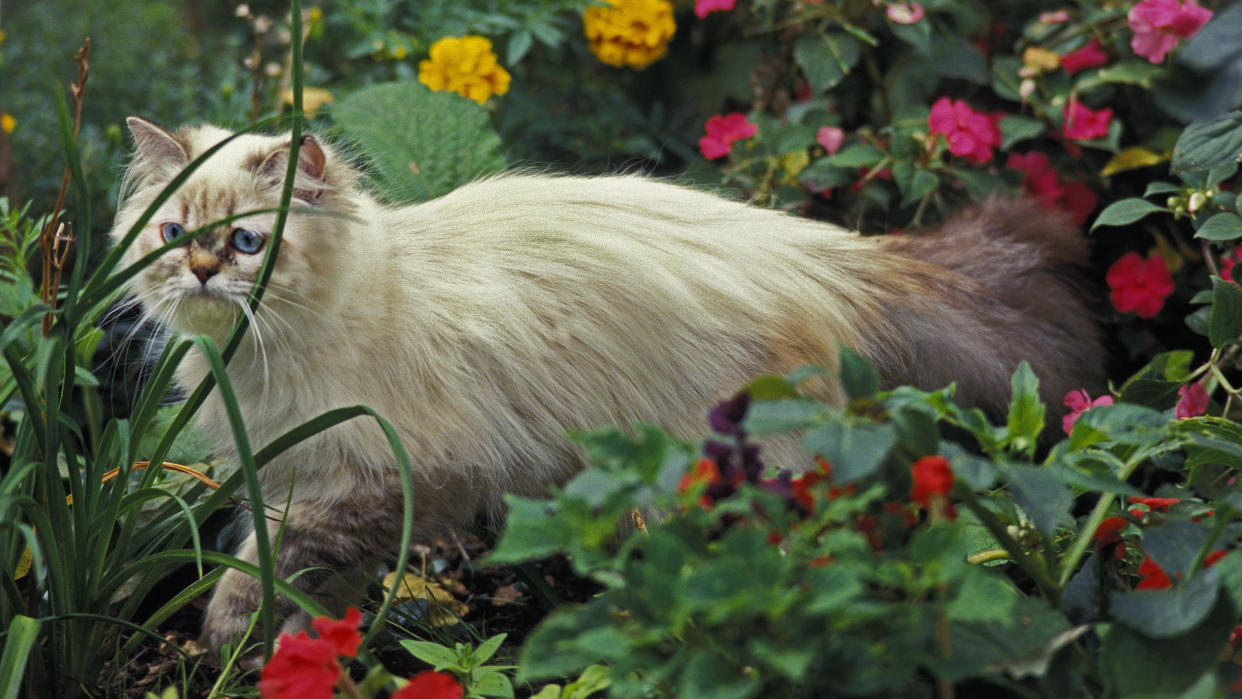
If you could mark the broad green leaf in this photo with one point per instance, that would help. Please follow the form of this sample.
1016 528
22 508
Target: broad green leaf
1160 188
1015 129
709 676
855 449
421 143
433 654
857 377
1168 613
1125 212
1130 72
1124 423
1175 544
1155 384
767 417
1026 412
1220 227
856 156
1043 496
1138 666
1206 144
822 175
826 59
1225 323
913 183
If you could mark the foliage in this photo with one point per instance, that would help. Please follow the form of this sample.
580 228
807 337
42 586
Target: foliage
1102 563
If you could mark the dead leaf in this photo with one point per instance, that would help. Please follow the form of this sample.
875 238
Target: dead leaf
443 609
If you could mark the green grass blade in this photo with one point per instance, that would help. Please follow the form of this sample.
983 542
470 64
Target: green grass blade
22 634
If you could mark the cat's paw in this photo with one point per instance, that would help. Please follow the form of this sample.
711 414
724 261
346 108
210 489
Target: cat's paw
227 621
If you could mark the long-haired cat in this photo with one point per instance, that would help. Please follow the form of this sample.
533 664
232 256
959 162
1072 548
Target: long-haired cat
486 323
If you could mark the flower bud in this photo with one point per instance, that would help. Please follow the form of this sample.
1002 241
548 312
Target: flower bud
1026 89
1197 200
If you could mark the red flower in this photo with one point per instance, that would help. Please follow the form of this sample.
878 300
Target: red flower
969 134
1084 124
1158 24
932 476
1160 504
343 634
430 684
722 132
1109 530
1042 181
704 471
904 12
1227 261
1154 577
1089 56
1139 285
302 668
1078 402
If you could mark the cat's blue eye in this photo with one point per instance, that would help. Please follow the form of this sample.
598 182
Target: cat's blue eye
246 241
171 230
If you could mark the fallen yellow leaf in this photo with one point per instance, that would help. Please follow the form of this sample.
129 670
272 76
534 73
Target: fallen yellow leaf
443 609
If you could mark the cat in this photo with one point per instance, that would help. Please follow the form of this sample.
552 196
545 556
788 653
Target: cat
486 323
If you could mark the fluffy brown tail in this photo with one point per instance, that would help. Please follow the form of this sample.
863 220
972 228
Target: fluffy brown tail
1001 282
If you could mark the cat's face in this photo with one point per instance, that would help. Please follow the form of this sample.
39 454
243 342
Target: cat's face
224 216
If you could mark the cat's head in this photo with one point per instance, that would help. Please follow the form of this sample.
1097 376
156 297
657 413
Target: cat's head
201 285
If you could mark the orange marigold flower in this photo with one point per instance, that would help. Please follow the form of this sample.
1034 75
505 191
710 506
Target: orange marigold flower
465 65
630 33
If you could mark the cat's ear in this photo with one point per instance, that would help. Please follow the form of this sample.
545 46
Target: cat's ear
311 182
155 143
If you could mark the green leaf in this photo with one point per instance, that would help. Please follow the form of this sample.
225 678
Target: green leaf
22 634
1206 144
913 183
1223 226
777 416
1128 72
855 450
433 654
857 377
487 649
1124 423
1138 666
1026 412
825 60
1015 129
1168 613
855 156
1155 384
490 682
421 143
1160 188
709 676
1225 323
1043 496
1125 212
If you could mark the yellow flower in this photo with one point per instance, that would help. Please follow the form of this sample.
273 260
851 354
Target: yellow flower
7 123
631 32
465 65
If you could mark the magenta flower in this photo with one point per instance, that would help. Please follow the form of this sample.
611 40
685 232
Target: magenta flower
1083 123
1159 24
969 134
1042 181
702 7
904 12
831 138
1090 56
722 132
1193 401
1139 285
1079 402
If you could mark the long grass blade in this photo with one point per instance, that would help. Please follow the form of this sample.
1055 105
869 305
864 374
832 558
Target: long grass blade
22 634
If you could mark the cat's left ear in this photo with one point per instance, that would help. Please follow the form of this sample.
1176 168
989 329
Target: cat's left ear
310 182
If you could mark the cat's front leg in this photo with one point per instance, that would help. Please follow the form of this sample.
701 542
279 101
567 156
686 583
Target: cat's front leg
327 545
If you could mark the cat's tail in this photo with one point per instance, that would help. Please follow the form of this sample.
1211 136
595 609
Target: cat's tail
999 283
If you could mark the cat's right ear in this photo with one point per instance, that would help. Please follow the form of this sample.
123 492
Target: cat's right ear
155 143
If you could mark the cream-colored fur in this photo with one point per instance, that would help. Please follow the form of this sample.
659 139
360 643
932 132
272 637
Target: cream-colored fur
486 323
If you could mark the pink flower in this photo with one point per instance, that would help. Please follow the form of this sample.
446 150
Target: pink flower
1089 56
831 138
702 7
1084 124
1193 401
1043 182
1139 285
1227 261
970 134
430 684
1158 24
722 132
905 12
1079 402
302 668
